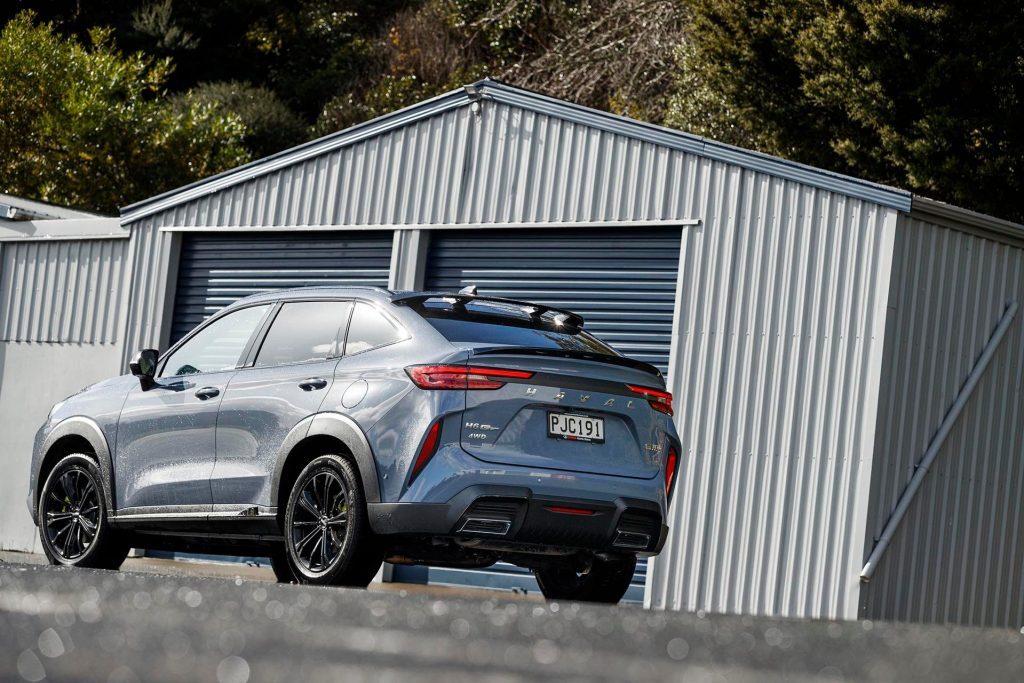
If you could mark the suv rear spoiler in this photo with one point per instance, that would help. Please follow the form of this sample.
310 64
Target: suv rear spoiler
459 301
623 361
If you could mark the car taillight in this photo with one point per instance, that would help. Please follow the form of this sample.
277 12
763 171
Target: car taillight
659 400
427 450
462 376
671 464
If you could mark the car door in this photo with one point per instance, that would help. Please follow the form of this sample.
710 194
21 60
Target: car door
165 449
290 373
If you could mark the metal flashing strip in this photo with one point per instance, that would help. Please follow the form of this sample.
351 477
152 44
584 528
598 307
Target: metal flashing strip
656 223
921 471
62 229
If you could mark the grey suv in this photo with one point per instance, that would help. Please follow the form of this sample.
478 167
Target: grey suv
332 428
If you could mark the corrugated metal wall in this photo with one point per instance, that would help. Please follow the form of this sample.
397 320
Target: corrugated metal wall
776 366
154 262
506 165
959 554
63 291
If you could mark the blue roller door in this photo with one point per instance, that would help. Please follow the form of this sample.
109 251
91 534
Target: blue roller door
622 282
216 269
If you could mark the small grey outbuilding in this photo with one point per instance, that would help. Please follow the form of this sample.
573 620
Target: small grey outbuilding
846 357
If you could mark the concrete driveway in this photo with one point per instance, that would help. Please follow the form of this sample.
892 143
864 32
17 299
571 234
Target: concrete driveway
151 625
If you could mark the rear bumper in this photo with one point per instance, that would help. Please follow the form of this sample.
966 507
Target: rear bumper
515 515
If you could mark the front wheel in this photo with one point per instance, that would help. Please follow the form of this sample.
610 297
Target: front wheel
72 514
606 581
327 534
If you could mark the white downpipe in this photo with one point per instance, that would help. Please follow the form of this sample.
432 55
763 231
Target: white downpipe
937 441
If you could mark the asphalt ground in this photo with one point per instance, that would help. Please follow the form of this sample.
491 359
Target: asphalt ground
60 624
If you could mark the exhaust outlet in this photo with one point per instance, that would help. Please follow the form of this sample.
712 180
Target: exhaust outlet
479 525
631 539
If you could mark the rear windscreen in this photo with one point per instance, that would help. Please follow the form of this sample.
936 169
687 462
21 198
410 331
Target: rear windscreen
504 325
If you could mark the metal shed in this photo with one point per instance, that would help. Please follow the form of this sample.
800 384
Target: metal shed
817 329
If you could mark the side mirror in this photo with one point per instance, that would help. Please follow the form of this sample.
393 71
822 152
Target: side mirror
143 366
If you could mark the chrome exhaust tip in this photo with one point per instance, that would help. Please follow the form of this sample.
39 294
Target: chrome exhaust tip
479 525
632 540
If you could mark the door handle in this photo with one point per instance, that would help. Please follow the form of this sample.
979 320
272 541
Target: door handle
207 392
312 383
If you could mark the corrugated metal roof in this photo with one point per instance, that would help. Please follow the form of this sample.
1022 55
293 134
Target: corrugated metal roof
30 209
62 229
526 101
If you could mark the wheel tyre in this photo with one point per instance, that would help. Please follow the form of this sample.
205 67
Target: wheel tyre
607 581
281 566
72 506
327 534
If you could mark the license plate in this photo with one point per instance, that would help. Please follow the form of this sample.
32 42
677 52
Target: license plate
576 427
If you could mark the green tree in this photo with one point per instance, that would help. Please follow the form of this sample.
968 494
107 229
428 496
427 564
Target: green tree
925 96
90 127
270 125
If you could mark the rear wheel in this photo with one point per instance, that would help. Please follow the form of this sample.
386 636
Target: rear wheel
72 514
327 535
606 581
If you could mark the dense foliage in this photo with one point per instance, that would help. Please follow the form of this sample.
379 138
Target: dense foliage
80 125
922 95
926 96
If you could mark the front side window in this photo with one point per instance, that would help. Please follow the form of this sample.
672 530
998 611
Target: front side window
218 346
369 329
304 331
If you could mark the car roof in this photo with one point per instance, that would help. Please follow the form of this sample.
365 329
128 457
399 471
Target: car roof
364 291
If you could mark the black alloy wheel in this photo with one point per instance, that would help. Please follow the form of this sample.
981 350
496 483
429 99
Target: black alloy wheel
72 517
320 520
327 536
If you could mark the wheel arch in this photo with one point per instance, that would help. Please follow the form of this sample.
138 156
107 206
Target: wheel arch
75 435
317 435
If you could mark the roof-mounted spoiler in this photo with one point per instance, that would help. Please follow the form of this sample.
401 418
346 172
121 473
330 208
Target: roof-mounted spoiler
458 301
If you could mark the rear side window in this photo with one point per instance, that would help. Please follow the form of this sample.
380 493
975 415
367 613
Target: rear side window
369 329
304 331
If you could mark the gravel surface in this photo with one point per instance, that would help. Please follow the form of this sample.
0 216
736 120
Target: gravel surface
80 625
